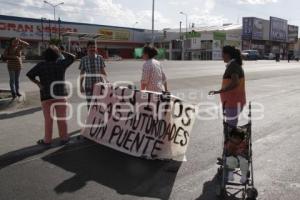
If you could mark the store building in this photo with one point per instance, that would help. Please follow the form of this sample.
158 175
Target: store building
204 43
119 41
198 43
269 36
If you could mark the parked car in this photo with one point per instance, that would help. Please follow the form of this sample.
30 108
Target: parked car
250 55
269 56
115 58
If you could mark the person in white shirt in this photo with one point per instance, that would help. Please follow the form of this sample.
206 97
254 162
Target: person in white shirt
153 76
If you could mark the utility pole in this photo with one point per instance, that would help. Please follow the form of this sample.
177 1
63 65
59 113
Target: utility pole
180 30
50 30
133 35
59 26
186 21
186 34
42 29
153 18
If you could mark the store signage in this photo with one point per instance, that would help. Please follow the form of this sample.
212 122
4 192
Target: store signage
257 31
109 34
278 29
15 27
193 34
220 36
293 33
247 28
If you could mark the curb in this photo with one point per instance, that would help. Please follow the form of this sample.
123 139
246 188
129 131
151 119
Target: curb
20 112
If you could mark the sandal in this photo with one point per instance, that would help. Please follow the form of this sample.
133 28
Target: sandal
43 143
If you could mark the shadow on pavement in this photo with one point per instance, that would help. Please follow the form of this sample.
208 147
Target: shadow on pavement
210 189
126 174
21 154
20 113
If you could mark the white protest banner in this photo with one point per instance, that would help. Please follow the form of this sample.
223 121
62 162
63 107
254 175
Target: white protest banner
139 123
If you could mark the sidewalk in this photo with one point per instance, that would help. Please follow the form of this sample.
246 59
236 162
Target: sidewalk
27 101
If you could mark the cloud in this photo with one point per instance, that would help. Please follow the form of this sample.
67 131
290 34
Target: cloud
204 15
110 12
177 3
87 11
257 1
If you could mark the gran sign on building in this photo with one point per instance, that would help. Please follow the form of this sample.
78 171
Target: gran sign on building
38 30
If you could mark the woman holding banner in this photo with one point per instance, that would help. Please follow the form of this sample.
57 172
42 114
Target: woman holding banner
153 76
233 95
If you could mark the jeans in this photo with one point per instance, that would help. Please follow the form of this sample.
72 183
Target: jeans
232 115
14 76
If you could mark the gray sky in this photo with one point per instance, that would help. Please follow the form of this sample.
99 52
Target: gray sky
127 12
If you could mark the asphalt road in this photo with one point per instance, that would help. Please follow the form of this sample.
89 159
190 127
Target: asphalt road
84 170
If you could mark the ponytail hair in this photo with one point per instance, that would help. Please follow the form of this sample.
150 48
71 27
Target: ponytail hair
234 53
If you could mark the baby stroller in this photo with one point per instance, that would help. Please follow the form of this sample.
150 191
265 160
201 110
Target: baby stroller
235 190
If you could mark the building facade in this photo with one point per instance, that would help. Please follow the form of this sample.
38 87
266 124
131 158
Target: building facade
198 43
269 36
119 41
203 43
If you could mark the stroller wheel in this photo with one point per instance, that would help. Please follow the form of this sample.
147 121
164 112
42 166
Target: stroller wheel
251 194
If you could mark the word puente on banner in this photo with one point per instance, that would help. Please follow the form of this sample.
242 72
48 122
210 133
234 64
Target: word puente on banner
140 123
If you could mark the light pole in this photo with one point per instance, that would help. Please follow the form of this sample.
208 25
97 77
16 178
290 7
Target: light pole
134 30
186 21
186 32
153 12
53 6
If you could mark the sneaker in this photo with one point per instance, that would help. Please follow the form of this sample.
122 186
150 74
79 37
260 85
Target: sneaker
19 94
230 176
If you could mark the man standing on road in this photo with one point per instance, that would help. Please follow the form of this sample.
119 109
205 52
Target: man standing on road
92 70
14 64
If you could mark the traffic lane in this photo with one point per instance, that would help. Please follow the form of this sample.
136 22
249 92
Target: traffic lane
131 70
205 145
281 121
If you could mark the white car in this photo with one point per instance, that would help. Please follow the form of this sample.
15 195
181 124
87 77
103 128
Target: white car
115 58
269 56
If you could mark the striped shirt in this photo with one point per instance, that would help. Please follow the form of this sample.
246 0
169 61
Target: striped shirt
14 60
92 66
153 76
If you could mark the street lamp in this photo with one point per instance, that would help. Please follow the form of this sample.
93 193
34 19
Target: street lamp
153 8
186 21
53 6
186 32
133 26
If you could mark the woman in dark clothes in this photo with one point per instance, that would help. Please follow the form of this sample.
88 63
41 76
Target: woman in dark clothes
233 95
51 74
